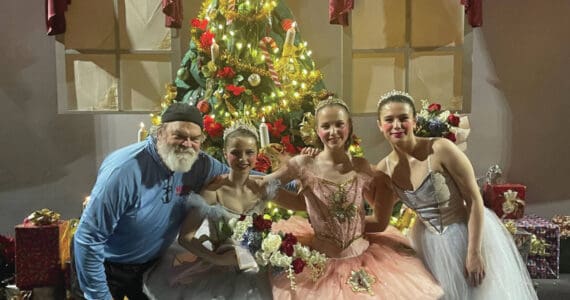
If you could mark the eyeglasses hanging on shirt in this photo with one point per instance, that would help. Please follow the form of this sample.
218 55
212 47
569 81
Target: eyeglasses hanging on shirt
167 189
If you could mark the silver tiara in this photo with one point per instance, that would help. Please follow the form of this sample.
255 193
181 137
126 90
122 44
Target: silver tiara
329 101
240 125
393 93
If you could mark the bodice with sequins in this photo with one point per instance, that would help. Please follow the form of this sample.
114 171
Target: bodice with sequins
336 211
437 200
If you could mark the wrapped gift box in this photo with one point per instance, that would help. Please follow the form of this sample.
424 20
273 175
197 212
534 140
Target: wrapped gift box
38 260
564 223
543 259
521 237
506 200
565 254
523 242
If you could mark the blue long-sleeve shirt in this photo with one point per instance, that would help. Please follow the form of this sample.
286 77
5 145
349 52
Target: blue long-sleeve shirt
135 211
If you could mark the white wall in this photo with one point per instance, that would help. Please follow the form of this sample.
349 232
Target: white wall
521 96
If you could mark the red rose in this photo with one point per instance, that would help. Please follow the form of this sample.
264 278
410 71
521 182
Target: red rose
235 90
226 72
206 39
289 240
262 163
434 107
453 120
261 224
212 128
276 128
241 217
450 136
298 265
203 106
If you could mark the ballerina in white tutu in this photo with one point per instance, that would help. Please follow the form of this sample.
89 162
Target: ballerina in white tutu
461 242
207 264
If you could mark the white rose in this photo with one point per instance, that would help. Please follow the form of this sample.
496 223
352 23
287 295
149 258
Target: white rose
317 258
279 259
443 116
271 243
301 251
262 258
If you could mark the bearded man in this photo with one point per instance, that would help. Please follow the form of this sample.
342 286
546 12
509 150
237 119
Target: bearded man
137 205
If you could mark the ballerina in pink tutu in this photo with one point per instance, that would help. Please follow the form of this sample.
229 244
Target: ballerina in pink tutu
333 186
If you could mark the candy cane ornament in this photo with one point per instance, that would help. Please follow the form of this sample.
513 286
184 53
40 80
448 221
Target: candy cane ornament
263 45
232 8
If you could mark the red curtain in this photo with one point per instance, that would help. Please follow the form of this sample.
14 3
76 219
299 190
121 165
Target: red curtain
474 12
55 16
172 10
338 11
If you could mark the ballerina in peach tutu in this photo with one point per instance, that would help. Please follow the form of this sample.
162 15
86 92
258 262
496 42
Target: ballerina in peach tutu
334 186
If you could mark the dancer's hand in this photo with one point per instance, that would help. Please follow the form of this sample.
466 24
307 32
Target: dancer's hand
474 269
310 151
224 258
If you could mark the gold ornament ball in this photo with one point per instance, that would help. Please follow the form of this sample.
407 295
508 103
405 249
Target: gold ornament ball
254 79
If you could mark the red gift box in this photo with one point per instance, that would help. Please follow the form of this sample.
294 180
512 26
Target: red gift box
506 200
544 258
38 260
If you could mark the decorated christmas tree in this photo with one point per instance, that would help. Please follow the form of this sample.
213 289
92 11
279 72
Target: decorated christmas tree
246 61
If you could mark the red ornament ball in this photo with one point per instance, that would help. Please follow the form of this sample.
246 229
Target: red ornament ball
203 106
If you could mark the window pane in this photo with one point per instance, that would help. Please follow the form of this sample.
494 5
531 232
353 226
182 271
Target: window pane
379 24
142 81
91 82
372 76
436 23
437 77
142 26
90 25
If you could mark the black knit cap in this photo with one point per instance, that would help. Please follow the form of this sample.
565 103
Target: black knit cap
179 111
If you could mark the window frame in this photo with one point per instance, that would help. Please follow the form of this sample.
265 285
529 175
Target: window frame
347 54
61 53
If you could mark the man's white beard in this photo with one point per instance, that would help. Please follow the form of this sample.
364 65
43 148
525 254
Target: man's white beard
177 159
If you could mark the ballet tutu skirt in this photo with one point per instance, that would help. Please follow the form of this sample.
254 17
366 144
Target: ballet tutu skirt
376 266
444 254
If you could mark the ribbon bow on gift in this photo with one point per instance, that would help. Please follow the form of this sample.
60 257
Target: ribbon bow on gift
538 246
41 217
511 227
512 202
564 223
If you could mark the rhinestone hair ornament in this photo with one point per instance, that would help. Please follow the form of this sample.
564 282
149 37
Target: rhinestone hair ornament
330 101
393 93
239 125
